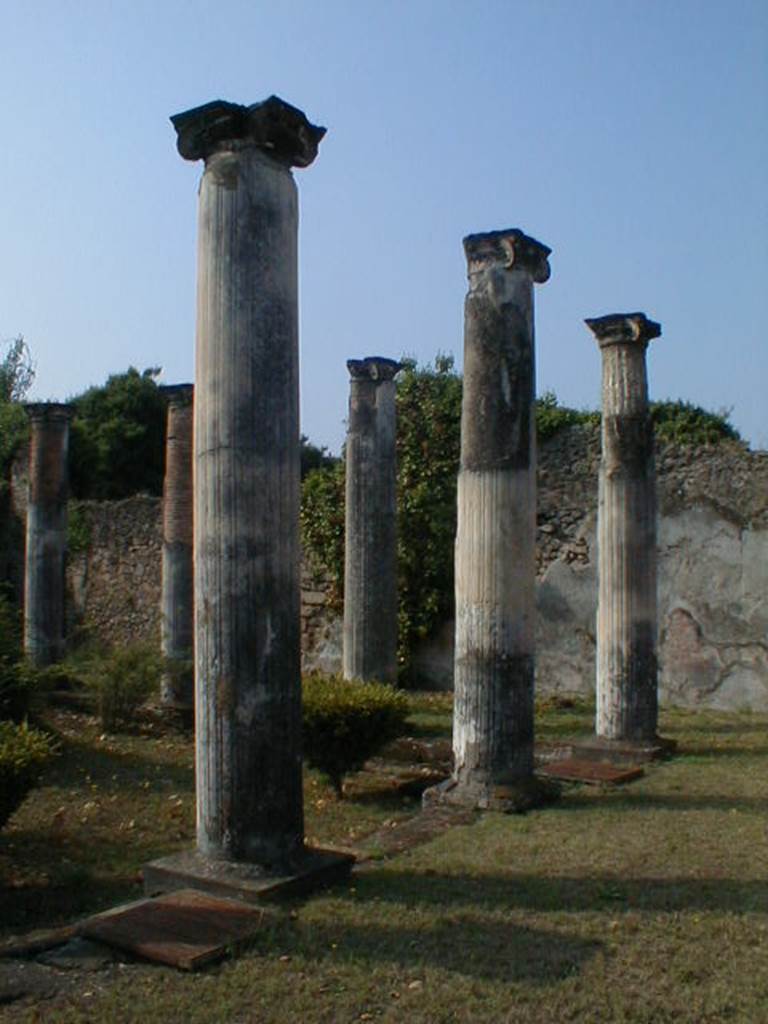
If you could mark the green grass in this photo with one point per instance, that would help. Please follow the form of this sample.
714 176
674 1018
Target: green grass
645 904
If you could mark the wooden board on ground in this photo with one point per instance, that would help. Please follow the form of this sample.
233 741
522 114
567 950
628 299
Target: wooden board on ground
594 773
185 929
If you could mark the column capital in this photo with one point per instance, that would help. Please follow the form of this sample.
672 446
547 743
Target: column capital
623 329
509 248
178 394
47 412
273 125
375 368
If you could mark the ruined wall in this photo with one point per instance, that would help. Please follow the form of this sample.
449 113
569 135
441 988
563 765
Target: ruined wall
114 565
713 575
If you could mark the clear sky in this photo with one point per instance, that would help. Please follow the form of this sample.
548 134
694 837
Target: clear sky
631 136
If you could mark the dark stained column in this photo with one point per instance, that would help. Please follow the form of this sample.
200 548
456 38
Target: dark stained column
370 552
627 701
495 542
250 811
46 543
177 597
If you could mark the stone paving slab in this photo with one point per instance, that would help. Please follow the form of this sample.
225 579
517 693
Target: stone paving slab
185 929
595 773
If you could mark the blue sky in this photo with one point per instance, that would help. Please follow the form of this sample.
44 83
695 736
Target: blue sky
631 137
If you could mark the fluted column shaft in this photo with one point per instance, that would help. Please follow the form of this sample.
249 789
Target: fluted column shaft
370 559
246 483
495 542
46 535
626 691
177 596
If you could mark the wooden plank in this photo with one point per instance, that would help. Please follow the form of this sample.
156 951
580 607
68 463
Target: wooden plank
574 769
184 929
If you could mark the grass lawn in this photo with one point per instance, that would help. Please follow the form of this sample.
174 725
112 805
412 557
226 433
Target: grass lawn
643 904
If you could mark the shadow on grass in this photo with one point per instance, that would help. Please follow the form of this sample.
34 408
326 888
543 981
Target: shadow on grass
593 893
467 944
44 906
627 800
688 750
102 764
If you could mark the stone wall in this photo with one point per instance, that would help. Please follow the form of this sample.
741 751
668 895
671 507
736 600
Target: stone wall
713 575
113 573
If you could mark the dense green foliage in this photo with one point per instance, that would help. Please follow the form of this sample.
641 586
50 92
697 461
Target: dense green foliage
314 456
24 752
322 525
14 688
116 437
428 448
552 417
346 721
682 423
121 680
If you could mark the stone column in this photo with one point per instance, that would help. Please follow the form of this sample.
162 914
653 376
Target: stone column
627 702
46 546
250 822
177 597
370 552
496 531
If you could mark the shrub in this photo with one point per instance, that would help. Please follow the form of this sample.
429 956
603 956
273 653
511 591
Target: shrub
552 417
347 721
14 686
121 680
24 752
685 423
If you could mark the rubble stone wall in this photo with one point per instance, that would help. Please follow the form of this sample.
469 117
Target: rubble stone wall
713 575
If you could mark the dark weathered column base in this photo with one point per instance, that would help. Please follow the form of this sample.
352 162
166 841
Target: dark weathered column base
511 798
624 751
313 869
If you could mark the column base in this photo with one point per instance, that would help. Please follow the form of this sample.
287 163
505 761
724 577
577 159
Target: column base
246 881
516 797
620 752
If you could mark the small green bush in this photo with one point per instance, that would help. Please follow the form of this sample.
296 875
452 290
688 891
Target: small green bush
24 752
120 680
14 687
346 722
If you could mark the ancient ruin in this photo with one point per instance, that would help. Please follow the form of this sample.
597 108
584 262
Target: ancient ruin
626 695
177 600
46 533
370 551
250 826
496 532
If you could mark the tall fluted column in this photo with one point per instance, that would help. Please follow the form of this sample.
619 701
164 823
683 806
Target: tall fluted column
627 702
177 597
370 559
246 507
46 544
496 533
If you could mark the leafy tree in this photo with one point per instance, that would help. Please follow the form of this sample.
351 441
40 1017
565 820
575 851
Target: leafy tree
314 457
17 374
428 448
116 437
